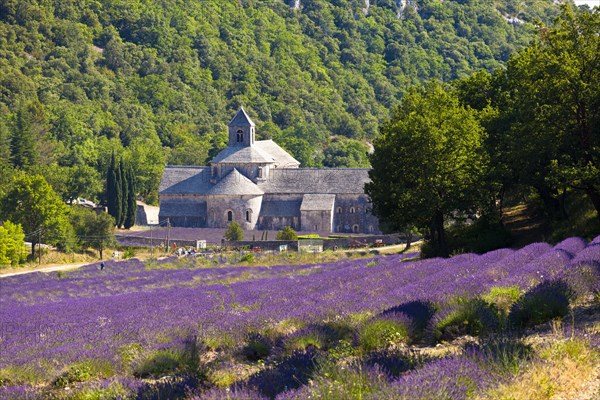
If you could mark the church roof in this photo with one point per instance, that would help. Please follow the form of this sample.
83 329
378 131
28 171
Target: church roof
236 184
280 208
196 180
262 152
182 209
241 119
185 180
316 180
317 202
237 155
283 159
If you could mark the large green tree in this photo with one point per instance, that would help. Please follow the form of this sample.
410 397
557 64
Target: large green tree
428 163
554 91
94 230
31 202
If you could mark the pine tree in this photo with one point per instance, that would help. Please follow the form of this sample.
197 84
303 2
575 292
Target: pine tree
131 203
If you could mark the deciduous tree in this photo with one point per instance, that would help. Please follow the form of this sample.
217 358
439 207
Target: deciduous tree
12 244
427 164
31 202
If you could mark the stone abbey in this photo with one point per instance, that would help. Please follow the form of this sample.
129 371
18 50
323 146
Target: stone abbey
261 186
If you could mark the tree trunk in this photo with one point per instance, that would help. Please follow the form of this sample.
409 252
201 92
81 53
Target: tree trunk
408 236
441 233
438 235
551 203
595 197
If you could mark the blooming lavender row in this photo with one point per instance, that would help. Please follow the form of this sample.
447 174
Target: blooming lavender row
89 315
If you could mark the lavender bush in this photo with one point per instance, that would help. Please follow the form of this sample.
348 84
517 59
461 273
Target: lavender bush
131 311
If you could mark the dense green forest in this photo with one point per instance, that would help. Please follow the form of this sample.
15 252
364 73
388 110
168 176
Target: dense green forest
156 82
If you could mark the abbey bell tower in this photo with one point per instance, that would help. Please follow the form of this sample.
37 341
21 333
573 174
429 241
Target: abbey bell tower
241 130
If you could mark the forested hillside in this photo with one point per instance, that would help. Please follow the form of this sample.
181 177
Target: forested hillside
156 82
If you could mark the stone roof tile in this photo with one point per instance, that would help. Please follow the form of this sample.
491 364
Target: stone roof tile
241 119
235 184
185 180
280 208
241 155
316 180
317 202
283 159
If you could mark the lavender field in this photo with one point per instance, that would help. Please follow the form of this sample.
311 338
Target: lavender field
358 328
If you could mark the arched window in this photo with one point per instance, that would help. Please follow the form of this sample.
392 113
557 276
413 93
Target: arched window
248 215
316 228
339 210
370 228
355 228
240 135
229 216
339 228
351 210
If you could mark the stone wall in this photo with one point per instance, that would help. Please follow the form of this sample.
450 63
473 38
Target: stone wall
316 221
220 205
352 215
268 245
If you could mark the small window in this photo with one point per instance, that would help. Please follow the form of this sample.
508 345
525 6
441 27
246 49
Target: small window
316 228
370 228
339 210
355 228
229 216
339 228
351 210
248 215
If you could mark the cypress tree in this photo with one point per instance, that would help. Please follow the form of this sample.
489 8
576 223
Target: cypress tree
112 190
122 185
131 203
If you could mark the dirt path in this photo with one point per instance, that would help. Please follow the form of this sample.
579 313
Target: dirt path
523 224
64 267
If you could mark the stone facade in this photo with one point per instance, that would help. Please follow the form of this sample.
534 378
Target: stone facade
261 186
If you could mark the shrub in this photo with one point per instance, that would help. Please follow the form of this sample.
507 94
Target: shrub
311 337
287 233
257 347
292 372
383 332
77 373
395 362
159 363
166 361
234 232
503 354
464 317
583 279
544 302
248 257
503 297
419 311
333 381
